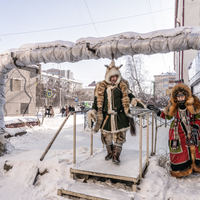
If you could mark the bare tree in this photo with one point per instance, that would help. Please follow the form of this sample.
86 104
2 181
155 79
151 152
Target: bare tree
136 74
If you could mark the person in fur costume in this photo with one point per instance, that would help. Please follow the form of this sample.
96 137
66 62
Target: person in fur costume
111 111
184 133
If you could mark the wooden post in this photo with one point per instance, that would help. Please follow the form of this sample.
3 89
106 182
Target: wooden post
140 165
155 135
91 148
58 131
152 133
74 140
147 140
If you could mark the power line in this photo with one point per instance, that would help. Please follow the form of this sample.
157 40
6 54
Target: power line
79 25
91 18
81 16
154 25
162 14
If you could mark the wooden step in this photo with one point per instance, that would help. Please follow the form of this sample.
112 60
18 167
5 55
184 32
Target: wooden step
92 191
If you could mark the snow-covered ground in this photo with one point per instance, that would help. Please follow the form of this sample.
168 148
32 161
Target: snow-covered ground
17 183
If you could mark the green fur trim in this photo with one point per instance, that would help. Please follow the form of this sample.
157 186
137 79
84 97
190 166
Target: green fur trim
168 117
197 116
199 147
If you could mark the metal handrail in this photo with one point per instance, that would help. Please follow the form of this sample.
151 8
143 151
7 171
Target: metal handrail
146 113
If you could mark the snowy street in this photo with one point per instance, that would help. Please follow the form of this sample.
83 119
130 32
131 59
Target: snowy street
17 183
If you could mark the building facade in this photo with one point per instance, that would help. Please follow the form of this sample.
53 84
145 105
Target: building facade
62 73
164 83
194 75
63 89
20 92
187 13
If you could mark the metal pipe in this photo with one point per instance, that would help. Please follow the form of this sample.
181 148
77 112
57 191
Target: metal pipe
74 140
152 133
91 148
155 135
147 139
140 161
183 19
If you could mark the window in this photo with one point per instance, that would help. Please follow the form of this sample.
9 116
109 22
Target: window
24 108
165 79
15 84
165 86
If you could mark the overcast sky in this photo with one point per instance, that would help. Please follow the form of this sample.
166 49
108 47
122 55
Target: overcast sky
25 21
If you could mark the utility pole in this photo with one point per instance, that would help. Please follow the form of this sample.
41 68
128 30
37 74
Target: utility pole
154 90
60 85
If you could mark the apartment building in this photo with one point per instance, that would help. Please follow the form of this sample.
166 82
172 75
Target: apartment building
187 13
164 83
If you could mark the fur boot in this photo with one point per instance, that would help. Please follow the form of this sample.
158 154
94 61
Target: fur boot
109 151
116 153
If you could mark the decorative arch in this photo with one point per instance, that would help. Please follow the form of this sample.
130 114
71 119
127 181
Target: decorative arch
128 43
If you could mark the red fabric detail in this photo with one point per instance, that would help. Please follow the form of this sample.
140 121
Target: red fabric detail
162 115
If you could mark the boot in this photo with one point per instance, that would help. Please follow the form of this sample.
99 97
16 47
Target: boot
110 152
116 153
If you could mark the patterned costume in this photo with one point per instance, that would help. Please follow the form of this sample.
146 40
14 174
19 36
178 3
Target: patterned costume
184 134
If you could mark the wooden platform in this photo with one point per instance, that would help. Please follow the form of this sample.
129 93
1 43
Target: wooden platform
127 170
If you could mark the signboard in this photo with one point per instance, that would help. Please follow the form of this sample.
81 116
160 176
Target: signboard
76 99
49 93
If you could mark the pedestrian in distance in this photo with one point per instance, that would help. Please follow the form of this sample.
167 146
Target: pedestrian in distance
67 110
48 111
63 111
72 108
51 112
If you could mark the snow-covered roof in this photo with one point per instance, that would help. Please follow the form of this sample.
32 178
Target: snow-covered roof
57 77
89 87
167 74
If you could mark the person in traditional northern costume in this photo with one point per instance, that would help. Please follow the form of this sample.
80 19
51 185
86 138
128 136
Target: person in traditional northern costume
111 111
184 132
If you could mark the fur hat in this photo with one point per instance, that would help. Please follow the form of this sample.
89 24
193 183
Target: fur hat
192 102
181 88
112 70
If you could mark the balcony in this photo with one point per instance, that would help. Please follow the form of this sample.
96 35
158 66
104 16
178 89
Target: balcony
195 79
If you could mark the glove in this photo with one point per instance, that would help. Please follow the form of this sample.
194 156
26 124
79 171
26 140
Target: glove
91 117
156 110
